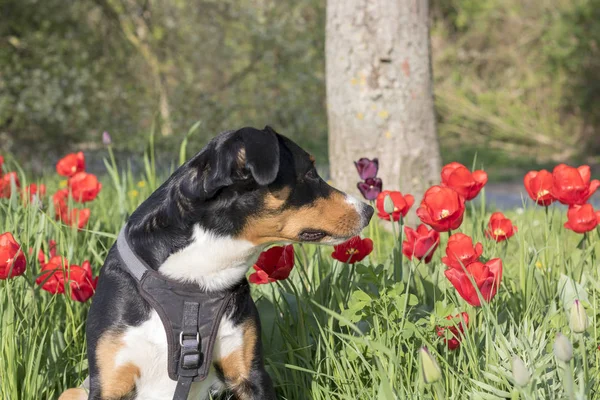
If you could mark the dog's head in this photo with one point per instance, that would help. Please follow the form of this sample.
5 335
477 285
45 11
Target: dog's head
260 186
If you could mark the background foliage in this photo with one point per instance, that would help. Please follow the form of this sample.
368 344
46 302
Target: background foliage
511 76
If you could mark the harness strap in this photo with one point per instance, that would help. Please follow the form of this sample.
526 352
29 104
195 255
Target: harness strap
190 359
131 260
183 388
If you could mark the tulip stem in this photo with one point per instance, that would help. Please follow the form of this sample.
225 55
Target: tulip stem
117 179
582 244
568 380
113 162
350 278
438 391
407 294
395 250
583 357
398 269
376 223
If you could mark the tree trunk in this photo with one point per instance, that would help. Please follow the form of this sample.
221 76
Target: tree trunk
380 93
136 31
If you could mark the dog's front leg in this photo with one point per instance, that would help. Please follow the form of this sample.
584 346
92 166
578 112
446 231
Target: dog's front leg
242 369
110 379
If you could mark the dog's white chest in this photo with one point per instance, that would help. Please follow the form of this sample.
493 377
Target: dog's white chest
146 347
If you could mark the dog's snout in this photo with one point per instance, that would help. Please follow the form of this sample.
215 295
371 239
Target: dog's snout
364 210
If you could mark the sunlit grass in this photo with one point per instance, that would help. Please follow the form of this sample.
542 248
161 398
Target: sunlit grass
333 331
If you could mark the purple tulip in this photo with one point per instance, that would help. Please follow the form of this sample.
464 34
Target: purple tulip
370 188
106 138
367 168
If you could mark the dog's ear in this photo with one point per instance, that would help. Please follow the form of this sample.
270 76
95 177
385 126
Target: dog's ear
247 153
261 150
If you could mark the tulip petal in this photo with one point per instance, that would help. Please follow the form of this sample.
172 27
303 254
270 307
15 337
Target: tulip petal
480 177
585 173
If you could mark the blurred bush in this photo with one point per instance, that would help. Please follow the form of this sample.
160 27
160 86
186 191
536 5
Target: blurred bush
514 79
70 70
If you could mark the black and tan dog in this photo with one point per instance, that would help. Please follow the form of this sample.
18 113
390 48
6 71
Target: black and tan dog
205 226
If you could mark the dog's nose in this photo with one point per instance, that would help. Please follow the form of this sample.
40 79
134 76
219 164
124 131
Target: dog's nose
368 213
363 209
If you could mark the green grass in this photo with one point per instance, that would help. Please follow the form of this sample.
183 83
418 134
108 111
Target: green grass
334 331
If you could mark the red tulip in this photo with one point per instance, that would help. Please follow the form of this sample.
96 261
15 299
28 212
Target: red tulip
42 259
71 164
12 259
73 216
539 187
273 265
460 251
6 186
456 331
52 277
402 205
84 187
77 217
57 272
60 201
459 178
487 279
582 219
500 228
572 185
420 243
33 190
442 208
81 282
353 250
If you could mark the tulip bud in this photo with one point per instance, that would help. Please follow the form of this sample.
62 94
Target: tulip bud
563 349
106 139
388 204
520 372
578 319
429 367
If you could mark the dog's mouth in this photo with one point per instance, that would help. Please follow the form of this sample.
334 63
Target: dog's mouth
312 235
317 236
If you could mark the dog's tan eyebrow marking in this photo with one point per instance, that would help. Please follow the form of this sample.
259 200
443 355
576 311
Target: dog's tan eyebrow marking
312 158
115 382
274 200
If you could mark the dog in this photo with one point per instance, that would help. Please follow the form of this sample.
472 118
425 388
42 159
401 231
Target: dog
205 226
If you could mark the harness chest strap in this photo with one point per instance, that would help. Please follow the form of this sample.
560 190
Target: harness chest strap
190 316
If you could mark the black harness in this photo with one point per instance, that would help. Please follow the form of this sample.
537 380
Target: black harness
190 316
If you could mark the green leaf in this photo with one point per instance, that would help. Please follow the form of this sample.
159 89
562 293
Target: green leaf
360 297
569 291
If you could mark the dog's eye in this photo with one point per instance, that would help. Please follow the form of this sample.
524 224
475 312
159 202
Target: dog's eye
311 174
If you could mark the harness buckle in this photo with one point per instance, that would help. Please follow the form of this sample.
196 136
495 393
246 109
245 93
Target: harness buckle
181 338
190 352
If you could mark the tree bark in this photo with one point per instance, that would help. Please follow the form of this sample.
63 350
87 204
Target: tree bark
380 93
